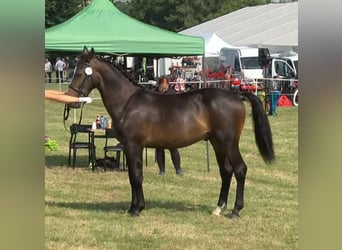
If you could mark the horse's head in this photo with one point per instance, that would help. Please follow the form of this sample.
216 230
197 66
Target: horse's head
83 80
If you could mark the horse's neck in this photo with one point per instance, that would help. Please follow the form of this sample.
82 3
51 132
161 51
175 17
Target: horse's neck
115 91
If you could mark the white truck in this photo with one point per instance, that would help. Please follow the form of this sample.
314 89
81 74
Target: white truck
282 74
291 58
245 62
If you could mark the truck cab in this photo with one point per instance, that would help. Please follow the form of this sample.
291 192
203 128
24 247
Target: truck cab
293 62
280 75
280 68
291 58
245 62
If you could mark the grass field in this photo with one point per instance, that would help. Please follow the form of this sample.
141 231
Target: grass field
88 210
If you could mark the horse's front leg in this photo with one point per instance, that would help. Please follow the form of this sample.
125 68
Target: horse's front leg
135 172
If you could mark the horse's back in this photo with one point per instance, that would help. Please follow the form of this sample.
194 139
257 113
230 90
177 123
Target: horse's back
179 120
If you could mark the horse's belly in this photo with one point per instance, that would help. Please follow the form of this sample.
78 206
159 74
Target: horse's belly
175 139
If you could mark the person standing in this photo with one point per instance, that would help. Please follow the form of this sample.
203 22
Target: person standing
227 77
164 88
59 69
48 70
66 68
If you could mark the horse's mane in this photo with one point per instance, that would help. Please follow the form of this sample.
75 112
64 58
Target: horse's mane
129 77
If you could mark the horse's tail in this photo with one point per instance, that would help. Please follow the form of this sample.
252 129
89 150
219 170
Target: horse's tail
262 129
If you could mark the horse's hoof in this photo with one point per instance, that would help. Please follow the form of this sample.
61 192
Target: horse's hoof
233 216
134 213
179 173
162 173
218 211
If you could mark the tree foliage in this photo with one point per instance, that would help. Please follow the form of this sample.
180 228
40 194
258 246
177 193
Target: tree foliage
58 11
174 15
177 15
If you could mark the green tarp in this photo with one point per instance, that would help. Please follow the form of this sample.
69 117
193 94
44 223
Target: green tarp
102 26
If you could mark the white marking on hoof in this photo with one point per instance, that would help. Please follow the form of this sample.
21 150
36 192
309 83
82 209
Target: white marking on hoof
218 211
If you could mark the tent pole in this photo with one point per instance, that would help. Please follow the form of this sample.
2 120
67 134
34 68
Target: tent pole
157 66
203 72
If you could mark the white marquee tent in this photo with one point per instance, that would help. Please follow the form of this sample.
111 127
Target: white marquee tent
272 25
213 44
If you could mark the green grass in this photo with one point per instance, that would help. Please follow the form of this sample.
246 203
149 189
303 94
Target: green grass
86 210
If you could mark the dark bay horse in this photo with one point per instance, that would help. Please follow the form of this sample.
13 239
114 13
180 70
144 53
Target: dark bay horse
145 118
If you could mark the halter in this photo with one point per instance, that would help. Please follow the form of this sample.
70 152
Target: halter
89 72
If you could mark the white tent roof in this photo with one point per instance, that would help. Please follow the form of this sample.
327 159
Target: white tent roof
263 25
213 44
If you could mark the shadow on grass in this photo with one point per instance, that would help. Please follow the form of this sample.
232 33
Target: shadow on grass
102 206
62 160
124 206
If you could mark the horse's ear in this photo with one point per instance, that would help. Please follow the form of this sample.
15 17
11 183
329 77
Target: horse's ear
92 52
85 49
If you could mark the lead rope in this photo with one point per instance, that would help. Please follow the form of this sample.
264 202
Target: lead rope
66 115
80 120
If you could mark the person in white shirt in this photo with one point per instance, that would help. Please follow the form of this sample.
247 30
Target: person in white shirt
48 70
59 69
66 68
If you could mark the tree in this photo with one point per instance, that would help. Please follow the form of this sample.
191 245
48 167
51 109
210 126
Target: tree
177 15
58 11
168 14
174 15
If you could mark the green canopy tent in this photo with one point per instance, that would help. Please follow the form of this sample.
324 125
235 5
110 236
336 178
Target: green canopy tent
102 26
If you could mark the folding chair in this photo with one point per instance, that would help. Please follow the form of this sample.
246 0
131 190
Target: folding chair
81 142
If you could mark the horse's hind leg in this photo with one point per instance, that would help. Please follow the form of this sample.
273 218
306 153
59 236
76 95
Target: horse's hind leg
160 157
226 173
240 171
175 157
